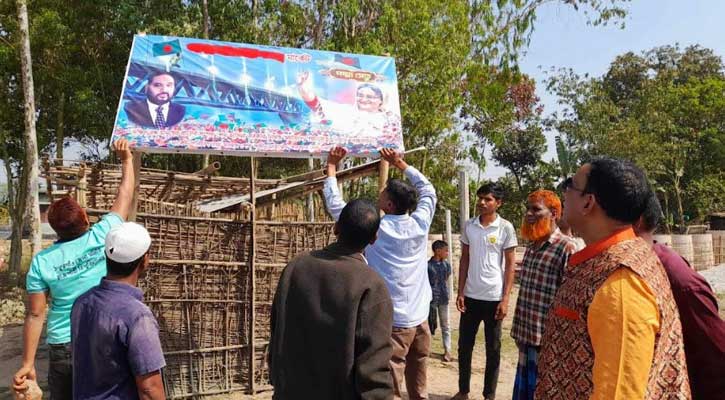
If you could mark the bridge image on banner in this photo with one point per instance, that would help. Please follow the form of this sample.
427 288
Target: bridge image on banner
199 96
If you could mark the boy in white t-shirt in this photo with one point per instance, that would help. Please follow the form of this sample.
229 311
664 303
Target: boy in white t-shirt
486 276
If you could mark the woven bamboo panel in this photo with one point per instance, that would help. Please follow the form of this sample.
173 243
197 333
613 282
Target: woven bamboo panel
277 244
211 299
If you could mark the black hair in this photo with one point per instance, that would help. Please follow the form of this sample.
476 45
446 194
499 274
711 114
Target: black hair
403 195
439 244
159 73
620 187
374 88
495 189
358 223
652 215
116 268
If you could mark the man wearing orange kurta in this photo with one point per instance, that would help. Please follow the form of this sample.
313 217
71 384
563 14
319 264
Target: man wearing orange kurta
612 331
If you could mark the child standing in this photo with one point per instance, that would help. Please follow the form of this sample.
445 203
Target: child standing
438 273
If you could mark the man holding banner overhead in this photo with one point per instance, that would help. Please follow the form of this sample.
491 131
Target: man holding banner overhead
399 255
64 271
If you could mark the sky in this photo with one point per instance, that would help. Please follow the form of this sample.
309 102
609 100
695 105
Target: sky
562 38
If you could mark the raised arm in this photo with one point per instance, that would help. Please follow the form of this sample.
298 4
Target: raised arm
427 198
331 193
124 198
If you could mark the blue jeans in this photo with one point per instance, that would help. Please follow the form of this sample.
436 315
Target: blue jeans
439 312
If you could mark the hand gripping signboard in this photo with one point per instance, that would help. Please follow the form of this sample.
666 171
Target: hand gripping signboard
201 96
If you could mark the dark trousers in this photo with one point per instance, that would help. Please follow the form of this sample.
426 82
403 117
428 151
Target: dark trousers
60 372
477 311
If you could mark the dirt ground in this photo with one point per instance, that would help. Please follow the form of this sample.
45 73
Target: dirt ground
442 376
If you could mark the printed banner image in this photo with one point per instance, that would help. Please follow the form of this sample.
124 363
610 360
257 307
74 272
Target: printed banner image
201 96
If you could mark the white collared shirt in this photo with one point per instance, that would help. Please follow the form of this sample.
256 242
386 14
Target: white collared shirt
164 110
400 253
486 245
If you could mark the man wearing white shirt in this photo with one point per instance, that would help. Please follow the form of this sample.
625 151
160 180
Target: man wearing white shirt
400 256
157 111
486 276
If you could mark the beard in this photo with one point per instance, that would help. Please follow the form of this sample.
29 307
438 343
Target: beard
156 100
537 231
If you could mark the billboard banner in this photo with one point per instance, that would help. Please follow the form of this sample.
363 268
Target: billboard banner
202 96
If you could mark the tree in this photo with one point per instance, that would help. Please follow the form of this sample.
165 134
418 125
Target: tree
664 109
446 55
29 186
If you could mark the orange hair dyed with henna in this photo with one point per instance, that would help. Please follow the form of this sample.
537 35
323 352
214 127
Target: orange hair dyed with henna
549 198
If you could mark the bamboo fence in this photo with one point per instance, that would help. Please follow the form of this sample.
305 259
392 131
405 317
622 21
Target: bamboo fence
212 277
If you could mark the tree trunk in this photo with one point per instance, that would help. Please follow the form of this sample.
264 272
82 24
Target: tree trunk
16 220
424 162
30 167
16 247
205 13
667 212
321 12
59 130
680 209
17 210
254 20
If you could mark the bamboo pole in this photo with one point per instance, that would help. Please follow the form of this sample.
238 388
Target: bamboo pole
310 197
82 187
449 239
252 275
137 156
463 194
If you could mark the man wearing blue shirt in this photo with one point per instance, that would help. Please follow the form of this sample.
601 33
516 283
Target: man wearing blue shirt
116 348
399 255
64 271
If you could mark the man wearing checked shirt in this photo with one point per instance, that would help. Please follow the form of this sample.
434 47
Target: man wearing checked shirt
542 269
399 255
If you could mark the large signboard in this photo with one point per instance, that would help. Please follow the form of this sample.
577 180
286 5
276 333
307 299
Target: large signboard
202 96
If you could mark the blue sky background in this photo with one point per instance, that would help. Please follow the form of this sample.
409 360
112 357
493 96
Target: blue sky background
562 38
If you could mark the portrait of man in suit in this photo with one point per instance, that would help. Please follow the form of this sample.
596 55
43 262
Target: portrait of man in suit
157 111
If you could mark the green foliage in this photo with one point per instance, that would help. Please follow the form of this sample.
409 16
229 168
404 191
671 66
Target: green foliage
455 62
707 194
663 109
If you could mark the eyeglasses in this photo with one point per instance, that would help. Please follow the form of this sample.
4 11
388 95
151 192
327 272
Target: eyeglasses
368 97
569 184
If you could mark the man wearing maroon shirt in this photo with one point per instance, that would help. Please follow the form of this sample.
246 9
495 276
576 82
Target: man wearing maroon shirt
702 327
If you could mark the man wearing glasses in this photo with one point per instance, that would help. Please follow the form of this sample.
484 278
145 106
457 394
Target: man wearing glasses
612 331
